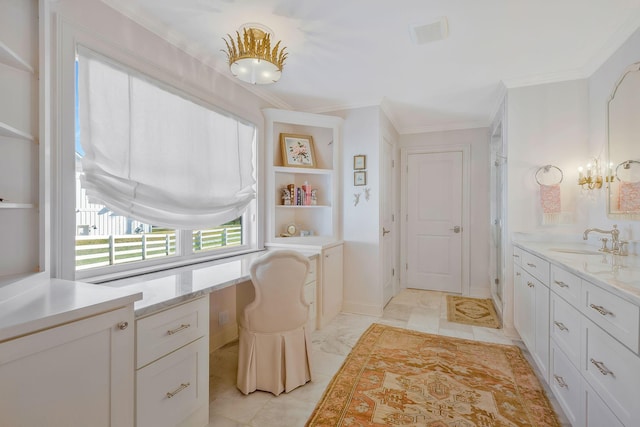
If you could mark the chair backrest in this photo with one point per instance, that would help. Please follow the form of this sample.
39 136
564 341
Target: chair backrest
279 305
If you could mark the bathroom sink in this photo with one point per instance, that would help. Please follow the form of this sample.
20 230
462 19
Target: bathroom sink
577 251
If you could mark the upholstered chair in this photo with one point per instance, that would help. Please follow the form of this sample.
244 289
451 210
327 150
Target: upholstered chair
275 344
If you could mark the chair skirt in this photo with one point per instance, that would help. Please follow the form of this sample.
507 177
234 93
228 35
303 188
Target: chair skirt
274 362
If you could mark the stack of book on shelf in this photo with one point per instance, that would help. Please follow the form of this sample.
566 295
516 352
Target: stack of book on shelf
299 196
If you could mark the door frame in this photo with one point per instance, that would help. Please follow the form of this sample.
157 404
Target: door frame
466 181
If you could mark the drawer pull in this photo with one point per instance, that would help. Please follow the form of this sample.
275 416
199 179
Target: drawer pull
180 328
560 326
600 365
517 273
531 285
178 390
516 256
600 309
531 265
561 284
560 381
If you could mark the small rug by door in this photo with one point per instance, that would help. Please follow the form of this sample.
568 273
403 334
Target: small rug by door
472 311
399 377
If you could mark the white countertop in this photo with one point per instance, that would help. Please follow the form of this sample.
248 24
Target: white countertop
166 288
618 274
33 304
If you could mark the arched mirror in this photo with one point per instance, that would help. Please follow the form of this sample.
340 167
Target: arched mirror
624 146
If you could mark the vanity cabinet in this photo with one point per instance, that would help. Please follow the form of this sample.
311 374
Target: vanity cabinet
332 283
531 306
594 354
172 366
76 374
310 291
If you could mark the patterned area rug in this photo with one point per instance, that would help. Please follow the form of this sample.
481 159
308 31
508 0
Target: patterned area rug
472 311
398 377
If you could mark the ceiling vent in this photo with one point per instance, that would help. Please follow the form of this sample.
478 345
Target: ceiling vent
427 33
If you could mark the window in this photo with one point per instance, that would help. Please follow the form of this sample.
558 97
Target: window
161 177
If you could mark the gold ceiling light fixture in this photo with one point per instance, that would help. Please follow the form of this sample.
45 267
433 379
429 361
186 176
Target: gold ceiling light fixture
250 56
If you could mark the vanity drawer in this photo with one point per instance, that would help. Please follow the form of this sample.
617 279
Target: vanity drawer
596 413
565 328
168 330
565 284
311 275
615 315
517 255
613 371
173 388
536 266
565 382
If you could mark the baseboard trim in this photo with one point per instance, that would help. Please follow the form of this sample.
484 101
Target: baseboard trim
358 308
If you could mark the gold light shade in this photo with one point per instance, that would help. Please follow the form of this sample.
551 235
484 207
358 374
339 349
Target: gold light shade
251 58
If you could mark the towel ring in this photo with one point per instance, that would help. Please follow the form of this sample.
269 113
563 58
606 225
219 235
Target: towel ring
546 169
626 165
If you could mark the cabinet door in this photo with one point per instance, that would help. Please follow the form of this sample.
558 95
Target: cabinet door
78 374
524 294
331 283
540 313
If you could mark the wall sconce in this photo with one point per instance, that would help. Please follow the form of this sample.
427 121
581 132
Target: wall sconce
592 179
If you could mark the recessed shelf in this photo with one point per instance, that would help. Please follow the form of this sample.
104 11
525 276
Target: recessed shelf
302 206
12 59
5 205
283 169
11 132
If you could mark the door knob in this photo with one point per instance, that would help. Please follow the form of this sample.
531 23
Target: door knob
385 232
456 229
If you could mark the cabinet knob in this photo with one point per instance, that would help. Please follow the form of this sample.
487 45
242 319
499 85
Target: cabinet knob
123 325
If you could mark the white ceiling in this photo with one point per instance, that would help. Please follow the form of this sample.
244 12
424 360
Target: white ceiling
355 53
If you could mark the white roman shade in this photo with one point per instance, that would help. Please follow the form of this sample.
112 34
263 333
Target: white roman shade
158 157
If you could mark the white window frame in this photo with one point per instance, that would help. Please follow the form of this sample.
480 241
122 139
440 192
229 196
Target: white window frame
63 171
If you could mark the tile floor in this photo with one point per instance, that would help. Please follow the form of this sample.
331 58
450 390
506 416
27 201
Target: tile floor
413 309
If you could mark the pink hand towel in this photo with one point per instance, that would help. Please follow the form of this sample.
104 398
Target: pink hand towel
550 198
629 196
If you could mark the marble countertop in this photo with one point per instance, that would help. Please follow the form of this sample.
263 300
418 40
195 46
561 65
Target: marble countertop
33 304
618 274
167 288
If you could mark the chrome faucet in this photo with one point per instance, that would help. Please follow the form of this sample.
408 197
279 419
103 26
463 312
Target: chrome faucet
616 245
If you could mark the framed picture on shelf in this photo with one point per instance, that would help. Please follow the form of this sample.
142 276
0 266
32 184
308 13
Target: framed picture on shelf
297 150
359 162
360 178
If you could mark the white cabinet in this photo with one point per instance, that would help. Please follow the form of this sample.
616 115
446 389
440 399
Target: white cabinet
320 220
172 377
317 226
332 283
310 292
19 148
531 307
77 374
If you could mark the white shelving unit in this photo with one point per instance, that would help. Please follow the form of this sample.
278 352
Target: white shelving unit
19 143
322 219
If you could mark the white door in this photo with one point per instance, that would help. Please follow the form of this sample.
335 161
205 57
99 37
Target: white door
434 221
388 231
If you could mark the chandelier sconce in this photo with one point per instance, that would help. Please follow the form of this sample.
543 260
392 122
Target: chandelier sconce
591 178
250 56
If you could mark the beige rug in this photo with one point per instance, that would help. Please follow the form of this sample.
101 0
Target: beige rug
472 311
398 377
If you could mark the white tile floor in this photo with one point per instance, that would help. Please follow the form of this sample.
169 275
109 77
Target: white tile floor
413 309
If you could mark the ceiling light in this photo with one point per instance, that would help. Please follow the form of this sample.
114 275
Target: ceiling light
250 56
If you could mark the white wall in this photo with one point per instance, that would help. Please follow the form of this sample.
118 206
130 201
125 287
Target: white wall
361 226
478 140
601 85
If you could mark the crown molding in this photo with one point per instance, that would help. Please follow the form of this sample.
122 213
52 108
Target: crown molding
443 127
